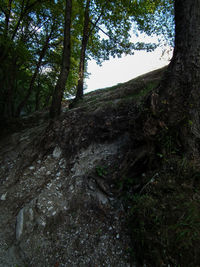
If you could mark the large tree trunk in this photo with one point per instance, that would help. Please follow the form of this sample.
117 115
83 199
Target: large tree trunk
65 66
85 38
179 93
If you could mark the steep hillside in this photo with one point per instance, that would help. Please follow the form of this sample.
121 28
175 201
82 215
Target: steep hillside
90 189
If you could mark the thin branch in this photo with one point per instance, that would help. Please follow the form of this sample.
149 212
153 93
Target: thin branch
23 13
95 23
100 29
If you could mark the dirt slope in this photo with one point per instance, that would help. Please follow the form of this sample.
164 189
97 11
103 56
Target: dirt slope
60 192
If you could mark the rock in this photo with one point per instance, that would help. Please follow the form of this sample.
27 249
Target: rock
57 152
66 213
31 214
3 196
20 224
31 168
102 198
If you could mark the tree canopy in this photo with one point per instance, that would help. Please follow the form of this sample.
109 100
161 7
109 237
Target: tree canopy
31 44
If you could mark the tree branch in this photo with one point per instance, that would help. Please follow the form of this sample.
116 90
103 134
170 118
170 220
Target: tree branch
23 13
95 23
95 26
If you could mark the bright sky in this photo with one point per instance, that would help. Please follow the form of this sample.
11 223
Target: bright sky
123 69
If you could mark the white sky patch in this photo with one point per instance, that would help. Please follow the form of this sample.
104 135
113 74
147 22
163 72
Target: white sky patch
119 70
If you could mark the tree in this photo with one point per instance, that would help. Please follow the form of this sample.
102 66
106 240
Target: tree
178 103
155 18
27 32
88 28
65 66
36 71
85 38
106 32
31 33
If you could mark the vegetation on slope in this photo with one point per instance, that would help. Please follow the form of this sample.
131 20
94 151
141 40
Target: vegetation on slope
160 187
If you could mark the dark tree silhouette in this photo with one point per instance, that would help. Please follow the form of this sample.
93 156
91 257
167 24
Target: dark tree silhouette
65 66
178 96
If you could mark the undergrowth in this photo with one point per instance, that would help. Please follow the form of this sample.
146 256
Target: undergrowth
164 216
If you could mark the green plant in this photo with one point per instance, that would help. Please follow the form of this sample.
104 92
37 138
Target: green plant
101 171
164 222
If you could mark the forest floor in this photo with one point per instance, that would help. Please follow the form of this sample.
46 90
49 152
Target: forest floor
91 188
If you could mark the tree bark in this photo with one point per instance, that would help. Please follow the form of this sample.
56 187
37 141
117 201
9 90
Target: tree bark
65 66
32 82
5 46
179 93
37 96
9 107
85 38
7 18
24 11
87 31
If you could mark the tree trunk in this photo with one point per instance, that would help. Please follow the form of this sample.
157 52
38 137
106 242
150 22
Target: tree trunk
179 92
24 11
85 38
8 108
37 96
7 18
31 86
65 66
47 101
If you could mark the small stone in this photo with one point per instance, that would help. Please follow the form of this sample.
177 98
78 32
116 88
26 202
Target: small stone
31 214
102 198
31 168
48 173
43 223
3 197
57 152
71 188
62 161
117 236
49 185
54 213
20 224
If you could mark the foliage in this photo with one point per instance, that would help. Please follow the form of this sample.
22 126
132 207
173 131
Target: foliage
164 216
28 30
101 171
31 34
155 17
